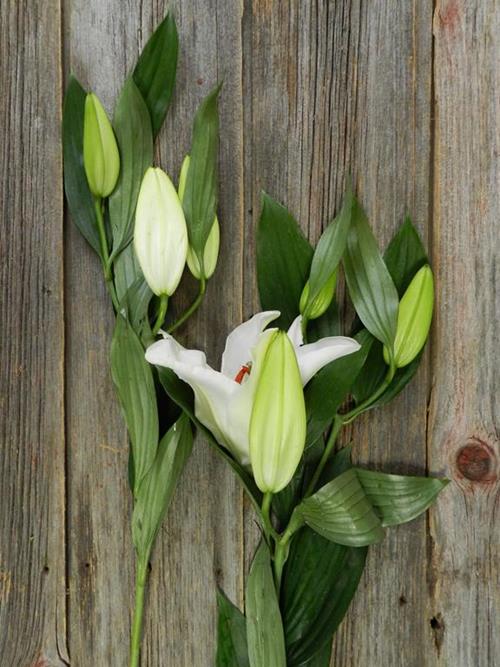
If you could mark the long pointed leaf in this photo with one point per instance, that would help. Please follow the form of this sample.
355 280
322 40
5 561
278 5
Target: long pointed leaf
319 583
78 195
156 69
132 127
371 288
283 261
266 642
232 650
330 249
133 379
200 193
157 488
404 256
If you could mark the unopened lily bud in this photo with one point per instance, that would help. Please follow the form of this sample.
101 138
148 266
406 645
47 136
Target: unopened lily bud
278 420
160 236
101 158
211 250
321 301
414 318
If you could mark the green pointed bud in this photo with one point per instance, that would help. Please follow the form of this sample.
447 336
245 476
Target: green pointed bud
211 250
321 302
414 318
101 158
278 420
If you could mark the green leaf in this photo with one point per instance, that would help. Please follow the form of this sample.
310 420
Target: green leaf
158 486
283 260
405 255
371 288
78 195
132 127
133 379
321 658
399 498
200 194
326 392
183 396
155 71
329 324
232 648
127 271
319 583
136 304
329 250
266 643
341 512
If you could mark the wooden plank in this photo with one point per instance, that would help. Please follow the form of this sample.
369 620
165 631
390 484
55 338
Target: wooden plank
201 541
464 546
32 556
332 89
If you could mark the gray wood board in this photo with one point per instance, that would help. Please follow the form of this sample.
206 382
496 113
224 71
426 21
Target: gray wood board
402 96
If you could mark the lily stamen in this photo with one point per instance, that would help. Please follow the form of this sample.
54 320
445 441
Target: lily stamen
244 370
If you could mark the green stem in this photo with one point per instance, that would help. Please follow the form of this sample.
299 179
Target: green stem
140 588
187 313
283 548
337 425
162 311
266 517
105 252
350 416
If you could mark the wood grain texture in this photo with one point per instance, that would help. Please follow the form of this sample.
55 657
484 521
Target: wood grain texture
32 571
464 547
404 97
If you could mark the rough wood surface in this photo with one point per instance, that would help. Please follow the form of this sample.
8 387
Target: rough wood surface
32 483
404 96
464 536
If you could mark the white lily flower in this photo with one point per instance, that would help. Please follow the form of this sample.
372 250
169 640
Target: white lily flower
224 399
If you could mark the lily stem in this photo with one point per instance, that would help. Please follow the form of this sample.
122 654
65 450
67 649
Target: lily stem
338 422
162 311
350 416
266 518
192 308
103 241
140 588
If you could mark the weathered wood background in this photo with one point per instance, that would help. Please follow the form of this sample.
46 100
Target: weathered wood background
402 94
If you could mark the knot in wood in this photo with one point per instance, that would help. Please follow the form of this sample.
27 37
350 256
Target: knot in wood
476 461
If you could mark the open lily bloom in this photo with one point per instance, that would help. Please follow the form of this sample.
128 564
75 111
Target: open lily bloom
224 400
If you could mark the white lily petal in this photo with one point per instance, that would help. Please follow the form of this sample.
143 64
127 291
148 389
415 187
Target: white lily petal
168 351
221 404
314 356
295 332
242 340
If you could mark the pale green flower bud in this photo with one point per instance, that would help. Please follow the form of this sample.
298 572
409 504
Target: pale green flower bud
414 318
160 235
101 158
321 302
211 250
277 431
